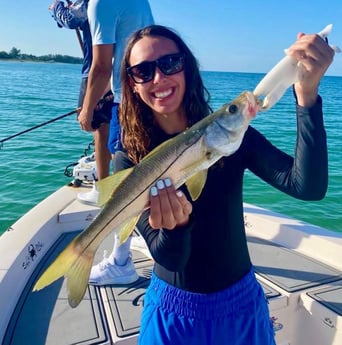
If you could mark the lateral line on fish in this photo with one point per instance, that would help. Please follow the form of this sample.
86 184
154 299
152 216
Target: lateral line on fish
186 148
192 131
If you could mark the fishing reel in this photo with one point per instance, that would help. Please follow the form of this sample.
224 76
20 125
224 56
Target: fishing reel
85 170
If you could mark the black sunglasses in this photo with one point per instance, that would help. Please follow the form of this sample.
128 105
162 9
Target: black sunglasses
145 71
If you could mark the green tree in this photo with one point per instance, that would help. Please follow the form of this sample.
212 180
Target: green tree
4 55
14 53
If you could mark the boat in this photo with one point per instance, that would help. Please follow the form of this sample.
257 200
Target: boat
299 266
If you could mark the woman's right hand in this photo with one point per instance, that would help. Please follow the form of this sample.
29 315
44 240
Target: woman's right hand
315 56
168 207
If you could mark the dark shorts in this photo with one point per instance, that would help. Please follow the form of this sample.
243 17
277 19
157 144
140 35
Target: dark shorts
104 112
237 315
83 88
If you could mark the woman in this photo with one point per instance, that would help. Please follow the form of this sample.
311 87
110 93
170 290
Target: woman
203 289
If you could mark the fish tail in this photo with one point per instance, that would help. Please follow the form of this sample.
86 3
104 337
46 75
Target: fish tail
78 277
75 266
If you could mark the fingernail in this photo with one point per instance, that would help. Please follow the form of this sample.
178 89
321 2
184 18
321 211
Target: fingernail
160 184
167 182
179 193
154 191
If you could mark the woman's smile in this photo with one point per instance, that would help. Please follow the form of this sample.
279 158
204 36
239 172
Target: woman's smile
163 94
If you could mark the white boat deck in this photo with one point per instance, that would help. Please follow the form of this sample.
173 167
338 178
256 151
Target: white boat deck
305 294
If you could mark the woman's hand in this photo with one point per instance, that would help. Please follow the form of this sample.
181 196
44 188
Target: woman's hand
315 56
168 207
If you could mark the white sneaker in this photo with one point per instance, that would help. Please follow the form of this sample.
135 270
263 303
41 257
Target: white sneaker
89 198
106 273
138 243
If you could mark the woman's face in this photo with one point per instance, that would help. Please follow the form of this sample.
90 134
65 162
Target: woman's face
164 93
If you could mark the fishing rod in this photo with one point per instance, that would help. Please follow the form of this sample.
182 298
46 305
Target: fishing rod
79 38
37 126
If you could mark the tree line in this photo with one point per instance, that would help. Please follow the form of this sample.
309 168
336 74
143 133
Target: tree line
15 54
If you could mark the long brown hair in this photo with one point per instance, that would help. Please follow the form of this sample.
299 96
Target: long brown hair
136 118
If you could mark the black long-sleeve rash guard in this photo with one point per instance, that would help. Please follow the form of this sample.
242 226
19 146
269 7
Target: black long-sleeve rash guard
210 253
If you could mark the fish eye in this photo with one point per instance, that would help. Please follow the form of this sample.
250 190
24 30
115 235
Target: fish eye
232 108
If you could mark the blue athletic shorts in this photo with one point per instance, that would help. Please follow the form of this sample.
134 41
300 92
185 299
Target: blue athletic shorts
114 139
238 315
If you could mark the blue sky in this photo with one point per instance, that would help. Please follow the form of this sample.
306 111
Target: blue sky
241 36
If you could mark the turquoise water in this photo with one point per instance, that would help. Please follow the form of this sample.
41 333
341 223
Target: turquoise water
32 165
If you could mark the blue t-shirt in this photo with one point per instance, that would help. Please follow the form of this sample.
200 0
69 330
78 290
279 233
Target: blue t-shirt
113 22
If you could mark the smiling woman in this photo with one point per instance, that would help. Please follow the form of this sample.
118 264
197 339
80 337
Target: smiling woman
159 105
35 162
165 94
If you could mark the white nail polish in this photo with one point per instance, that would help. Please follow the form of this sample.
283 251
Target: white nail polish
179 193
160 184
167 182
154 191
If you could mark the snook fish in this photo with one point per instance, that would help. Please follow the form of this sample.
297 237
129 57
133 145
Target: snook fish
184 159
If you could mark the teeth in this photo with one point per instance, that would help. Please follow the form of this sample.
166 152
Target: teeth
163 94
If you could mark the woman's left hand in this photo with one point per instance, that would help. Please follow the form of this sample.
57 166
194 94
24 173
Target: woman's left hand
315 56
168 207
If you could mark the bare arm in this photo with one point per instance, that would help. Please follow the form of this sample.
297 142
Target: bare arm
98 81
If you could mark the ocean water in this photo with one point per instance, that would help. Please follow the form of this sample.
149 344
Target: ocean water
33 164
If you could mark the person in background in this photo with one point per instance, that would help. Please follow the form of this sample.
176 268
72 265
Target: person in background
111 23
74 16
203 288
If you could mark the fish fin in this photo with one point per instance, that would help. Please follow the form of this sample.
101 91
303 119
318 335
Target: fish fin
107 186
195 184
75 266
127 229
78 277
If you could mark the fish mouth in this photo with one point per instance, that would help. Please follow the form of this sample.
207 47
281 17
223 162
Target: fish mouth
253 105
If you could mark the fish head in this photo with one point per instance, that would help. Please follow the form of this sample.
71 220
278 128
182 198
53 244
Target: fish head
238 113
246 104
231 122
